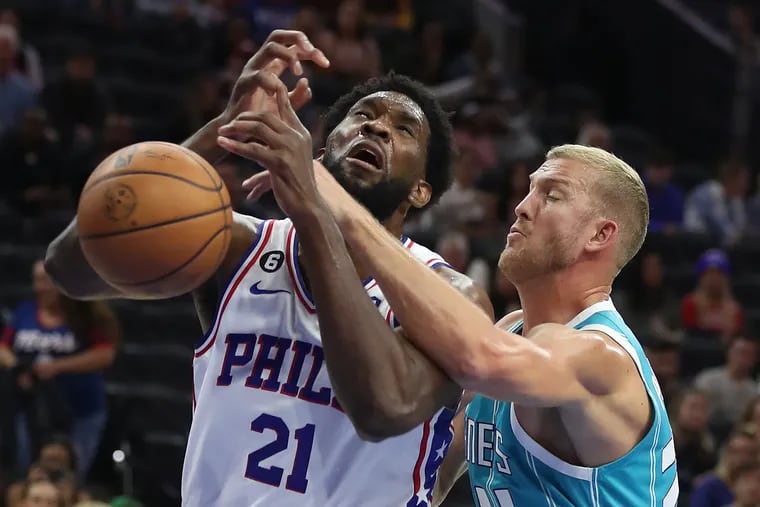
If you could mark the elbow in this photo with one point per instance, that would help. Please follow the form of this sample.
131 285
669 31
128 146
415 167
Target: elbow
477 368
377 421
57 273
471 368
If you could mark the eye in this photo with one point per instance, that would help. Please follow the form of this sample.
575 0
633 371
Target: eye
361 114
407 130
551 198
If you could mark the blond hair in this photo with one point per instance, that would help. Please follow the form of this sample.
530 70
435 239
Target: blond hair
619 192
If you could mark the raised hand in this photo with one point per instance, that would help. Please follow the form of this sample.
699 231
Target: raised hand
282 49
281 144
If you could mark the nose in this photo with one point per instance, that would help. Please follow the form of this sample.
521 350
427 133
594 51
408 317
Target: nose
376 128
523 210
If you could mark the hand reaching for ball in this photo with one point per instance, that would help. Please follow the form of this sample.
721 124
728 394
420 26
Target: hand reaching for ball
283 49
280 143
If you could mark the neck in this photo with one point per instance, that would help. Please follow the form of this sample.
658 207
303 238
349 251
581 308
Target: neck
48 304
734 372
558 298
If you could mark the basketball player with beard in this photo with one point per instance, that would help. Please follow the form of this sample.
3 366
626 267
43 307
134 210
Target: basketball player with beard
568 410
288 306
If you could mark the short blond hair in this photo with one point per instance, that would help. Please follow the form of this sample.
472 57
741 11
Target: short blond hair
619 191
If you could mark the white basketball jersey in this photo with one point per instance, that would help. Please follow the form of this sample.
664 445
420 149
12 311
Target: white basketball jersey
267 429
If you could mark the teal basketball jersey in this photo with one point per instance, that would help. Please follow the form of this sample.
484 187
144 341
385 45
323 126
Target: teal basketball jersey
509 469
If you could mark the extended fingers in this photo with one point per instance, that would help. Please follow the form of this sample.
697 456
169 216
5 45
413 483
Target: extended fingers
307 51
300 95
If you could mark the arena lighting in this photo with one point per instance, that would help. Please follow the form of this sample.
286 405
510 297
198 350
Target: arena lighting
118 456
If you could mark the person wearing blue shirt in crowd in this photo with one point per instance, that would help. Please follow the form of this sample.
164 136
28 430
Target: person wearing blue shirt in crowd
665 198
59 348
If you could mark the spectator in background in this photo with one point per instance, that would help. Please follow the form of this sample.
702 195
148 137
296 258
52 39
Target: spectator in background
117 132
752 414
714 490
717 207
41 493
651 306
204 102
353 53
746 486
711 308
460 206
28 58
694 444
56 462
76 102
392 14
473 134
35 170
61 347
664 357
455 249
17 94
731 386
665 198
502 190
428 64
595 133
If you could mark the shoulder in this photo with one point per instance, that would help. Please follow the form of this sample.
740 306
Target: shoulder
245 232
25 309
466 286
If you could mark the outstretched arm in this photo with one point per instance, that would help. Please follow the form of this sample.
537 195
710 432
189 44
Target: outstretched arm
385 385
64 260
552 366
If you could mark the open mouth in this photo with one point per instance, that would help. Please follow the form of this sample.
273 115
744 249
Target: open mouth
366 156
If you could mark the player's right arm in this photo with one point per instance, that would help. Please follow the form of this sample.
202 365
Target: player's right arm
65 261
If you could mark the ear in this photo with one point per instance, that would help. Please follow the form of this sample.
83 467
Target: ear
420 194
605 235
320 154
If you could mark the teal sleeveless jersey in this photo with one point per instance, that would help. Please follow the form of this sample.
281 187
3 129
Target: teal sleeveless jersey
509 469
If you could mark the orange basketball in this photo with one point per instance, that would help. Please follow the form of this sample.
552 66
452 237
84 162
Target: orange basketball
154 218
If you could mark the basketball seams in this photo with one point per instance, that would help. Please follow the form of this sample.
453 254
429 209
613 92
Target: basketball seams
178 268
126 172
139 164
203 163
158 224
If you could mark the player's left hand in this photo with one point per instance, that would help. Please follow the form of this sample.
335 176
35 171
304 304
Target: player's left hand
281 144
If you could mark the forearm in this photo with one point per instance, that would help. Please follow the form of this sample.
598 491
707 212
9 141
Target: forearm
89 360
204 142
445 325
72 274
7 357
382 385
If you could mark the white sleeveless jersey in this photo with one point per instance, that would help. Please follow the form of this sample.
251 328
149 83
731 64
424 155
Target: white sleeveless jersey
267 429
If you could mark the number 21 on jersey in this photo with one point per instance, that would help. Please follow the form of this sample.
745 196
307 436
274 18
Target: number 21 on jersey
304 439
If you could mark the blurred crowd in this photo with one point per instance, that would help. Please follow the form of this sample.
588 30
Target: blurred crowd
108 73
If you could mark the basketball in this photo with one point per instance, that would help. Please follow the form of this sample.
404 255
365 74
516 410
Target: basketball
154 218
